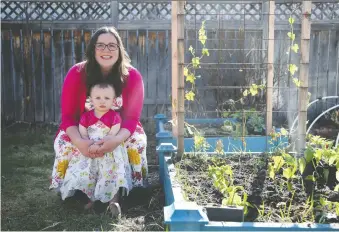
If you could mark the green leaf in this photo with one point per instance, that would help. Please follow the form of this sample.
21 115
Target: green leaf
302 164
190 96
295 48
309 155
332 160
326 172
253 91
289 186
291 20
337 175
202 39
205 52
271 171
291 35
224 201
245 93
318 154
236 199
322 201
190 78
287 173
278 162
336 188
310 177
296 82
292 68
288 158
195 62
185 71
283 132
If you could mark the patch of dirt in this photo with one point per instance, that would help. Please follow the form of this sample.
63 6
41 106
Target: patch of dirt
251 172
27 204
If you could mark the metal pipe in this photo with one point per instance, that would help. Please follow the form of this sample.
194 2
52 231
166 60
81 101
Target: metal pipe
315 120
309 104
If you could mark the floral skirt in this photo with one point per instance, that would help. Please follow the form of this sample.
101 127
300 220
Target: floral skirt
73 171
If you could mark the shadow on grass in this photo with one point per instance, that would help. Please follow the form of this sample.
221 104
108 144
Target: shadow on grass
28 204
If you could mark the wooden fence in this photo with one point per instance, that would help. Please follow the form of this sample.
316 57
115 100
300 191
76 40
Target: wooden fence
41 41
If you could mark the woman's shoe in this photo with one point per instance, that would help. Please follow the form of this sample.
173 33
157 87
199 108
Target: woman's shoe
115 209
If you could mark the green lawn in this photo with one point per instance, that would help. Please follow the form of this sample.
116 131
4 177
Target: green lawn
28 204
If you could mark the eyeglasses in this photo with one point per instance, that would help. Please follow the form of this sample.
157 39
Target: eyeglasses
111 47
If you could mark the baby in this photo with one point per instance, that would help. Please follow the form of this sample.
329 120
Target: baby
99 178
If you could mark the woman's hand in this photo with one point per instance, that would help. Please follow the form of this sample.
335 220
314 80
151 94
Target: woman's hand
108 143
94 151
83 146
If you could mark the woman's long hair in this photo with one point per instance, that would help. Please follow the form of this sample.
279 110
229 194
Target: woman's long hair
119 71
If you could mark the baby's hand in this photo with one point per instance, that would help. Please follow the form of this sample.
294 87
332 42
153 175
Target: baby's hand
93 148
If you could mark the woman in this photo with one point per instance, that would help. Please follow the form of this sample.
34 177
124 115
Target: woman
106 60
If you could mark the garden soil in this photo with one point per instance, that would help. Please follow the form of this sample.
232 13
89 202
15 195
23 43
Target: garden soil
251 172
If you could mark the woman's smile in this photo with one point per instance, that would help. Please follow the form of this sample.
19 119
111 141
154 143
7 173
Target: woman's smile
106 57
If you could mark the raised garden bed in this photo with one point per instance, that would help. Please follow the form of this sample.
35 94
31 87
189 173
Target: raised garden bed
223 130
206 191
194 203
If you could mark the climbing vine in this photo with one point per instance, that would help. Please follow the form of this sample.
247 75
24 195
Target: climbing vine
294 47
189 72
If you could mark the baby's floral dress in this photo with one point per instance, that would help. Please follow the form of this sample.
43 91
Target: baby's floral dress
99 178
136 148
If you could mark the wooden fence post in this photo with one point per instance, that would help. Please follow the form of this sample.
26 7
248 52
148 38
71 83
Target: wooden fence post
270 66
303 74
181 80
115 13
174 36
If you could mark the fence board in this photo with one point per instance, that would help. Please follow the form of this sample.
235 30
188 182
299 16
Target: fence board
3 81
38 92
13 76
322 68
153 62
161 76
48 79
331 67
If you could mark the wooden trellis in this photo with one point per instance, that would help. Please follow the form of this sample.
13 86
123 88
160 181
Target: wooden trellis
178 53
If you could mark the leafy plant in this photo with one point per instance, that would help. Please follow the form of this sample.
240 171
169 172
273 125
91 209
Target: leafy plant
222 177
195 63
319 151
257 123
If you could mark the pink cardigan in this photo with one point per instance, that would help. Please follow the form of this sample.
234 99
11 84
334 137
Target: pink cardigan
73 98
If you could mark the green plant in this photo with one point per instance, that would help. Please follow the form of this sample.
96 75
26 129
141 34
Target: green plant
228 126
256 122
195 63
320 152
222 177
